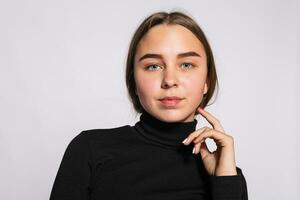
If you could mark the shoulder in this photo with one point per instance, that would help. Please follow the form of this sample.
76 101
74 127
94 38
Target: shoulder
92 135
103 131
89 139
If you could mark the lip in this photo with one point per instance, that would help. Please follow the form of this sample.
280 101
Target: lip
169 98
170 101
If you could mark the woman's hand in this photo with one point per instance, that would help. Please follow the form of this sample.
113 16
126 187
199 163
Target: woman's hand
221 162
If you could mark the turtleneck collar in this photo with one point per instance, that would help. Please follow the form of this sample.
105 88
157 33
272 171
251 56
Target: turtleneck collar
167 134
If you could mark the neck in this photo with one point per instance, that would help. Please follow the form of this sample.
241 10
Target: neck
167 134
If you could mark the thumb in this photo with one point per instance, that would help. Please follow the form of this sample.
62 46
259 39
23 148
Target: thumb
204 150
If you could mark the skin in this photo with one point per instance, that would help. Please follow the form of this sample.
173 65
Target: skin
184 77
170 76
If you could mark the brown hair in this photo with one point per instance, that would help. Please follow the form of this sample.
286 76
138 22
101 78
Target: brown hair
172 18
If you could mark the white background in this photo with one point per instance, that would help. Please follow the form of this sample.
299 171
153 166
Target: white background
62 70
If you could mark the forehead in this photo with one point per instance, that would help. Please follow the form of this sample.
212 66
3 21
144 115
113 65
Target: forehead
169 39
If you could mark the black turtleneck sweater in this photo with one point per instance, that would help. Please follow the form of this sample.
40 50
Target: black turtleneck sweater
147 161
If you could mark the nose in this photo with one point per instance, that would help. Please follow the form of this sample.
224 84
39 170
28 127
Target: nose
169 78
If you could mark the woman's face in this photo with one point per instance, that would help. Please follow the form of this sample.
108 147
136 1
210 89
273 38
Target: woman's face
170 61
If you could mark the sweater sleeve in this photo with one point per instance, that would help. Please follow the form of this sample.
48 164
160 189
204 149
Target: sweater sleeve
72 180
229 187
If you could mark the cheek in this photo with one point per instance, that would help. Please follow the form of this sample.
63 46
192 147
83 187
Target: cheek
195 87
146 86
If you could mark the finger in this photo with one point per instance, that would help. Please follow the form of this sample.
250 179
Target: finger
219 137
197 148
204 151
194 135
212 120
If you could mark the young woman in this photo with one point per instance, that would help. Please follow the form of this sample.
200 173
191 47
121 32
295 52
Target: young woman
170 77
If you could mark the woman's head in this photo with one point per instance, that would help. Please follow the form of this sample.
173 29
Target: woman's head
169 55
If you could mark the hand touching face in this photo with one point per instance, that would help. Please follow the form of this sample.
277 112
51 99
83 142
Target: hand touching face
221 162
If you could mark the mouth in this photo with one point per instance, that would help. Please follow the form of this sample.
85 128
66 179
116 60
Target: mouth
170 102
171 98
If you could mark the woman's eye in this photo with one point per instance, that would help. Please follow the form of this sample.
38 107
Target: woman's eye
188 64
155 66
150 67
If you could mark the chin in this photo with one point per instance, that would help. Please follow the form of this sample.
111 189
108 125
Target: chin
172 116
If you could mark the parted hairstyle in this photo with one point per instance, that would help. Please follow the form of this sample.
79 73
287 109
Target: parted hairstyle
171 18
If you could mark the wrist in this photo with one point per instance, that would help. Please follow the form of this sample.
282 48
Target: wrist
227 172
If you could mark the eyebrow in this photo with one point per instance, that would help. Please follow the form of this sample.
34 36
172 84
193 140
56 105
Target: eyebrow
159 56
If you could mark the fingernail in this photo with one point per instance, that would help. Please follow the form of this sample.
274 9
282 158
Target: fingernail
194 150
184 140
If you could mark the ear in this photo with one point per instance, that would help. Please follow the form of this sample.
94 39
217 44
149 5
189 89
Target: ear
205 88
204 92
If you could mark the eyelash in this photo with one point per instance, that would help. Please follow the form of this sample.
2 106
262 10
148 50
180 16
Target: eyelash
147 67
